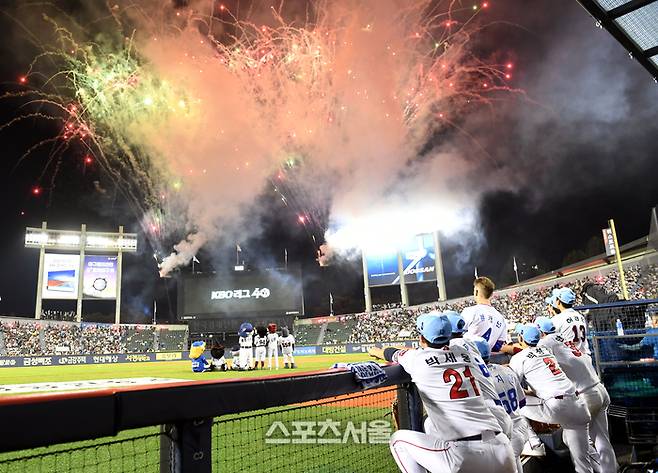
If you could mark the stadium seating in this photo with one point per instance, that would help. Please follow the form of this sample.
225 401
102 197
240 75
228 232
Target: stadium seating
519 306
31 338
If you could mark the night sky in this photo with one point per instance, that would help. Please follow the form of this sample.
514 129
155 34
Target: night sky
576 147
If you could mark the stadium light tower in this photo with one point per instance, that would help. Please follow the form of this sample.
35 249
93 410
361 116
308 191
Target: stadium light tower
73 275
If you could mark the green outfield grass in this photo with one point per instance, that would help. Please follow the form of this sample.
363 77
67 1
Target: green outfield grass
239 441
160 369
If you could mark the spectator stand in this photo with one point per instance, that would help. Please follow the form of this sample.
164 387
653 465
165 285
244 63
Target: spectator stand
29 337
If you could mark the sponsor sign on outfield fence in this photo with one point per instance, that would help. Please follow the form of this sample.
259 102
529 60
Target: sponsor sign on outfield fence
61 360
55 360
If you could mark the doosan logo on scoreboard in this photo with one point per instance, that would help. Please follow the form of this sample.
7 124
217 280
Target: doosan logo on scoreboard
256 293
426 269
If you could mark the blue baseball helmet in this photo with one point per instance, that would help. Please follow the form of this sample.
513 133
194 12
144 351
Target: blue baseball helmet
457 322
545 324
531 334
435 328
483 347
566 295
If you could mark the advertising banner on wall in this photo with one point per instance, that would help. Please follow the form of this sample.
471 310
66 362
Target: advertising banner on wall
60 276
99 277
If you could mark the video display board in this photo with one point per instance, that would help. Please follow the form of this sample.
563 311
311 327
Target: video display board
240 293
418 262
60 276
419 259
100 277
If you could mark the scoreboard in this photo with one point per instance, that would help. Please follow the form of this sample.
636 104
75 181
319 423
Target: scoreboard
240 293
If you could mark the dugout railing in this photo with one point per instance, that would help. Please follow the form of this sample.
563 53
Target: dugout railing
628 366
244 424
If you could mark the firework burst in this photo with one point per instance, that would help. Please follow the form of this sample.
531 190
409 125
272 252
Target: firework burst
193 110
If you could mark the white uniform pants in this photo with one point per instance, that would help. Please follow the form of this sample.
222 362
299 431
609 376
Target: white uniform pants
597 401
246 358
288 358
502 417
571 413
520 429
260 354
272 352
416 452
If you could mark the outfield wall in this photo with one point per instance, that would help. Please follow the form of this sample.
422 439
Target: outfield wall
61 360
67 360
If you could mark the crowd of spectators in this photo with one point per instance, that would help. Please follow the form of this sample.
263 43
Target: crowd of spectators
390 322
33 338
520 306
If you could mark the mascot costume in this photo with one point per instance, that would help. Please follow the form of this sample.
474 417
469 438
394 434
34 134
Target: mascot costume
260 342
199 362
218 360
287 342
272 346
246 334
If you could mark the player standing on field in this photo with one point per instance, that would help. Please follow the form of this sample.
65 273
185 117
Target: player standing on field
272 346
555 400
570 324
287 342
579 369
468 437
482 320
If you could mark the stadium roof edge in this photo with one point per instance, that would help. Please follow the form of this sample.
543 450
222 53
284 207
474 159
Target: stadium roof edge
628 22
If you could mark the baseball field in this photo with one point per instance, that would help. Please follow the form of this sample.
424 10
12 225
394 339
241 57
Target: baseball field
344 434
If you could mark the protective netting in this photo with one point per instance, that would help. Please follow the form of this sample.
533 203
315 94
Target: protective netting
139 454
342 434
627 356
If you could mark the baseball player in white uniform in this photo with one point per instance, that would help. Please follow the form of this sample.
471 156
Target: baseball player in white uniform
512 398
579 369
246 341
467 437
482 375
260 344
482 320
570 324
272 346
556 400
287 342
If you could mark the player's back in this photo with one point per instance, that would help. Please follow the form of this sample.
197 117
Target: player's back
539 367
575 364
483 320
260 342
510 391
247 342
481 374
572 326
272 339
449 391
287 342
